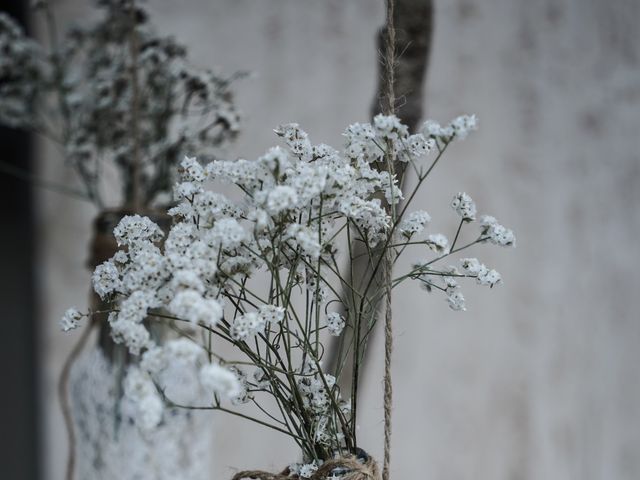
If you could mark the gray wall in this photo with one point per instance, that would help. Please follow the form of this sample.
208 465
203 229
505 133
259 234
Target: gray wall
539 378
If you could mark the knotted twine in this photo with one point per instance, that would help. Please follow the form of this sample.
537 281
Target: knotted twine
354 469
389 109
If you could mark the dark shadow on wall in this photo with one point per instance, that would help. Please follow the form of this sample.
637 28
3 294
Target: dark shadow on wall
19 417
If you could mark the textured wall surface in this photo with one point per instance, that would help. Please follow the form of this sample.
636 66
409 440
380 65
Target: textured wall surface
539 378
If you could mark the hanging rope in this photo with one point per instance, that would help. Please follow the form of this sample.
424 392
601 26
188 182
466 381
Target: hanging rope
388 109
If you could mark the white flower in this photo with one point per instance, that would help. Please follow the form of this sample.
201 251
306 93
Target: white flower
134 228
414 223
464 206
246 326
335 323
489 278
220 381
191 171
472 266
133 334
227 233
487 220
183 351
418 146
281 198
139 389
496 233
456 300
463 124
307 470
271 313
106 279
438 243
153 360
149 415
432 128
306 240
70 320
191 305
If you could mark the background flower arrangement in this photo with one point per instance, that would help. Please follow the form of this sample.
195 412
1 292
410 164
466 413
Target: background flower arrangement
123 103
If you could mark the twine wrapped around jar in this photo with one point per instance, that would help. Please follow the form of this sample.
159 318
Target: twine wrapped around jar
350 467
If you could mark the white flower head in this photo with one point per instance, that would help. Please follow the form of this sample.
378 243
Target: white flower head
247 326
464 206
191 305
70 320
220 381
271 313
281 198
106 279
438 242
414 223
456 300
134 228
191 171
335 323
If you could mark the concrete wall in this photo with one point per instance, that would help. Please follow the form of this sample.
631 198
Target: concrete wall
539 378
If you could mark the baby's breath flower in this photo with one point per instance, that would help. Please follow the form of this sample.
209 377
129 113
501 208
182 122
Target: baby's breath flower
456 300
70 320
463 124
335 323
438 242
489 278
307 470
281 198
106 279
190 305
134 228
140 389
496 233
464 206
271 314
246 326
191 171
414 223
220 381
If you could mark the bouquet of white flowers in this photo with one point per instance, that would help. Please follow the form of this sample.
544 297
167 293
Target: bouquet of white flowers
270 275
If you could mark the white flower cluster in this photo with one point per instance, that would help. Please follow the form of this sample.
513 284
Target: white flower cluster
335 323
484 276
83 81
446 280
319 391
458 128
70 319
496 233
414 223
464 206
261 272
303 470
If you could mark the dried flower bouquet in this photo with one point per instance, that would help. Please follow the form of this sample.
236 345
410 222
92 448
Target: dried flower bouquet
269 274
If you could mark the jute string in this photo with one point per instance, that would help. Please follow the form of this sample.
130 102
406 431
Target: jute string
353 469
388 109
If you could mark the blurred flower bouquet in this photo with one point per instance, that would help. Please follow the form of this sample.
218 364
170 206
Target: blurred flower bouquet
115 95
124 104
269 274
